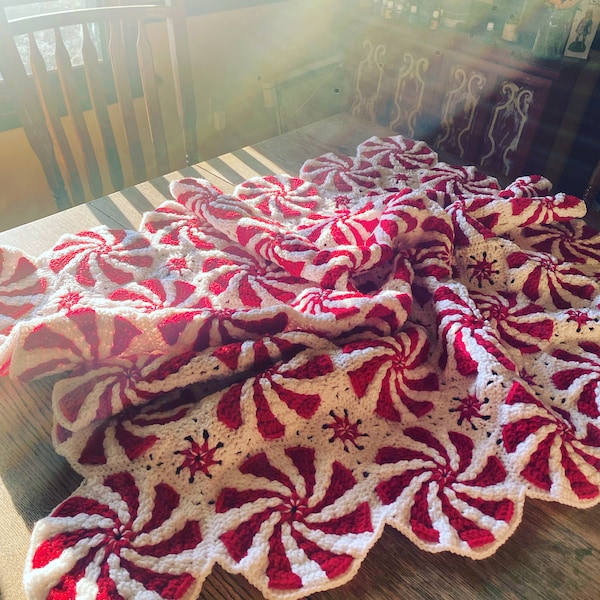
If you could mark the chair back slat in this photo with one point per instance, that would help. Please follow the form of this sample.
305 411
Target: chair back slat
64 68
116 49
53 108
155 120
29 112
87 149
183 75
100 105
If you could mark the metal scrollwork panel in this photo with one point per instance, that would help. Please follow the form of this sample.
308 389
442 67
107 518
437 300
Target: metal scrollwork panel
369 77
460 109
408 97
507 121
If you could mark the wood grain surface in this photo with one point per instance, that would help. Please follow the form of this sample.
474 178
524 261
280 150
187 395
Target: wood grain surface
554 554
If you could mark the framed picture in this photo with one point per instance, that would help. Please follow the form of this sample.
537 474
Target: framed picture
585 24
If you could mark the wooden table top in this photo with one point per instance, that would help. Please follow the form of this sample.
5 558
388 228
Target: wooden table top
554 554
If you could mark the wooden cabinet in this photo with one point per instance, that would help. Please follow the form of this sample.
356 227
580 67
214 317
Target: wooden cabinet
478 103
495 106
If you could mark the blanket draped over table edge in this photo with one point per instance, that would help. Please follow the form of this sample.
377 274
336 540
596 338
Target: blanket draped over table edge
264 380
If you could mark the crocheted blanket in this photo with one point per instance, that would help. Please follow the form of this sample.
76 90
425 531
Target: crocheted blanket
264 380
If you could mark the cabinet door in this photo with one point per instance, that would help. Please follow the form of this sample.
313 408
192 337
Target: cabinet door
514 115
465 87
392 82
368 78
412 81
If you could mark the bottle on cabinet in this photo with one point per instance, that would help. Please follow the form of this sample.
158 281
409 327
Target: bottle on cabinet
388 9
510 31
455 13
413 14
434 22
400 10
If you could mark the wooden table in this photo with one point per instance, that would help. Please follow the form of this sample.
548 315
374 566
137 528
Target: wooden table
554 554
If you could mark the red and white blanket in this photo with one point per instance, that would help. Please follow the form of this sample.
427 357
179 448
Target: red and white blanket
264 380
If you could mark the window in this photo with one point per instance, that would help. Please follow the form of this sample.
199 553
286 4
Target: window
15 9
45 39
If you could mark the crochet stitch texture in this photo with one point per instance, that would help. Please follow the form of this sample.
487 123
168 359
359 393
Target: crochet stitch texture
264 380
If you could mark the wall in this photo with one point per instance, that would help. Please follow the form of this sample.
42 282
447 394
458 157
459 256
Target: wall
256 45
233 53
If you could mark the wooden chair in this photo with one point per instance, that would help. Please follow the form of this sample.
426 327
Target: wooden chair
78 154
